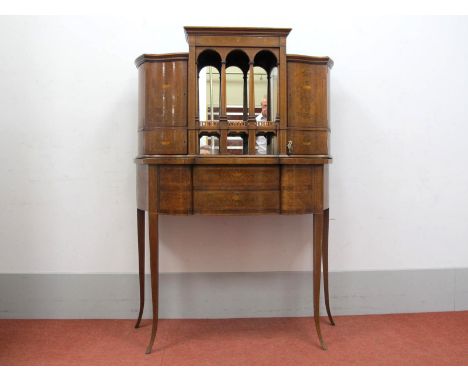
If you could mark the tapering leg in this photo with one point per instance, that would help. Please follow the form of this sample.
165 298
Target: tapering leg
141 261
154 266
325 263
317 264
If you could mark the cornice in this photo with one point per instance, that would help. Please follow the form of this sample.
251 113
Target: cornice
236 31
161 58
310 59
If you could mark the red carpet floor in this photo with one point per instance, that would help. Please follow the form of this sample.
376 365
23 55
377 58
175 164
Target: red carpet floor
399 339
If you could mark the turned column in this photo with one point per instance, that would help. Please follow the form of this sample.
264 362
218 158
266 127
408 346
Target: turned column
252 124
251 92
269 96
245 111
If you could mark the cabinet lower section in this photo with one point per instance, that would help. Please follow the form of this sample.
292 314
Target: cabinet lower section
232 189
227 185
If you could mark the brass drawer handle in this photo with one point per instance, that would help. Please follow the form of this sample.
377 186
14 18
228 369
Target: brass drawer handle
235 198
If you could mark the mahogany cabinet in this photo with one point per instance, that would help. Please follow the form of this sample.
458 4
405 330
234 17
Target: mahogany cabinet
201 153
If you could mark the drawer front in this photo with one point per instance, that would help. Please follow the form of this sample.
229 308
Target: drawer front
175 193
175 202
254 178
295 202
309 142
175 177
236 202
300 177
163 141
302 189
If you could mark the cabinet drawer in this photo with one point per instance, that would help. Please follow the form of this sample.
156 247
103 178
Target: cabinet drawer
175 192
309 142
302 189
236 202
163 141
175 177
175 202
294 202
254 178
297 177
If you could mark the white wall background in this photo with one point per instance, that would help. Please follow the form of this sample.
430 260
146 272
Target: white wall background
68 116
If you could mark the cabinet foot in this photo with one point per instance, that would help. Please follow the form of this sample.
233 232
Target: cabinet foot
154 329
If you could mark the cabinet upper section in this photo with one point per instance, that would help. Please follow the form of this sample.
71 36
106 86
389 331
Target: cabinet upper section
236 92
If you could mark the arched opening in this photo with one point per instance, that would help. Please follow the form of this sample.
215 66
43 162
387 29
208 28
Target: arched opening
261 94
209 57
266 85
209 89
237 68
208 94
236 108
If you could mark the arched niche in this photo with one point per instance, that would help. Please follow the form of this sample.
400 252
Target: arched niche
237 68
239 58
209 57
209 88
266 60
260 92
266 63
